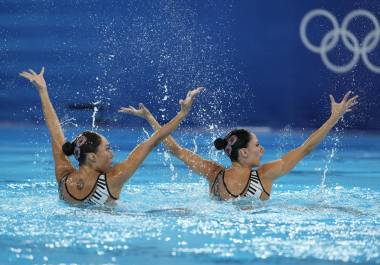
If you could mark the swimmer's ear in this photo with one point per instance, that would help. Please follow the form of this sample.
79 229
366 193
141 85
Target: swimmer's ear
243 152
91 157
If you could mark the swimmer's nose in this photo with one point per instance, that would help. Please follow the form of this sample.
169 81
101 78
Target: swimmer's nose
262 150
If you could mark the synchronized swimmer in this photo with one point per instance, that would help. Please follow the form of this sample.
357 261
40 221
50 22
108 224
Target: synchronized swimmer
246 177
97 182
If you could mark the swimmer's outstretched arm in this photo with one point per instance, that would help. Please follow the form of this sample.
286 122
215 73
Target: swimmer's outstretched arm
63 165
201 166
277 168
123 171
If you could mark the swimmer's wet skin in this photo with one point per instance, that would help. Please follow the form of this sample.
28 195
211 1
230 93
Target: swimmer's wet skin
96 181
245 151
254 187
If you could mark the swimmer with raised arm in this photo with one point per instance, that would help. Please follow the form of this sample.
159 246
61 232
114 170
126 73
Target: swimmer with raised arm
96 181
246 177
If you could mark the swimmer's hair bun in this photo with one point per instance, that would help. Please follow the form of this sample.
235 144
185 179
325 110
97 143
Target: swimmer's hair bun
220 143
68 148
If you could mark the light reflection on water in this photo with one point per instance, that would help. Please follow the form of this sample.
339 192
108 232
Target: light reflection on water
162 221
181 220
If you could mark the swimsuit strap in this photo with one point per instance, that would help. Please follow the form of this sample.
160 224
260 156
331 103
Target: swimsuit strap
216 180
255 187
109 192
101 193
257 173
82 199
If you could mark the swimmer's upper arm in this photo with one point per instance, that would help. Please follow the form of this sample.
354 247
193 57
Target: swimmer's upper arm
206 168
121 172
280 167
62 163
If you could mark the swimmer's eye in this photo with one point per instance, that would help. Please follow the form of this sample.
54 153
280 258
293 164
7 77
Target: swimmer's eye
257 144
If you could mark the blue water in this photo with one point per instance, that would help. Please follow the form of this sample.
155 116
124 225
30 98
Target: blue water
165 215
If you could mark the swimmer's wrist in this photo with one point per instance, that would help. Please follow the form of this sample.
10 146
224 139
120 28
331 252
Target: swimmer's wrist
149 116
333 119
181 114
42 88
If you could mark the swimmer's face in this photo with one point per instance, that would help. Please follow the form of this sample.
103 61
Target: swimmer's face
254 151
104 155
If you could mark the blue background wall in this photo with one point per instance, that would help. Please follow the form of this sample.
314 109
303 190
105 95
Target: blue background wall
248 54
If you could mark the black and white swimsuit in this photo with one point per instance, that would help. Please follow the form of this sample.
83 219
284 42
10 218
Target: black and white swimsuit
254 187
99 194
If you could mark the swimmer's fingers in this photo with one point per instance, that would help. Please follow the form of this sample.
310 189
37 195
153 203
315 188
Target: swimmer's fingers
332 99
42 71
31 70
352 102
130 109
193 93
345 98
142 107
133 111
28 76
188 101
350 105
196 91
353 99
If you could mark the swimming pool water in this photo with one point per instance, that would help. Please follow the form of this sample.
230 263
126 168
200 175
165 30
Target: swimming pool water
165 215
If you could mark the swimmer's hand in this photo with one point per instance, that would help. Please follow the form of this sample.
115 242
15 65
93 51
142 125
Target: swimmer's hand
188 101
339 109
141 112
36 79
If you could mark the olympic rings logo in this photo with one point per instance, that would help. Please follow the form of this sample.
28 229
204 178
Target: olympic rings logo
330 40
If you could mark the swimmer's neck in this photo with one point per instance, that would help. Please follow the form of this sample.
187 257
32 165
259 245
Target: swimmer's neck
88 170
240 166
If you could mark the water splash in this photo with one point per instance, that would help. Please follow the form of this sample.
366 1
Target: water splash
146 132
214 130
68 121
284 141
169 161
167 158
334 149
178 51
94 113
